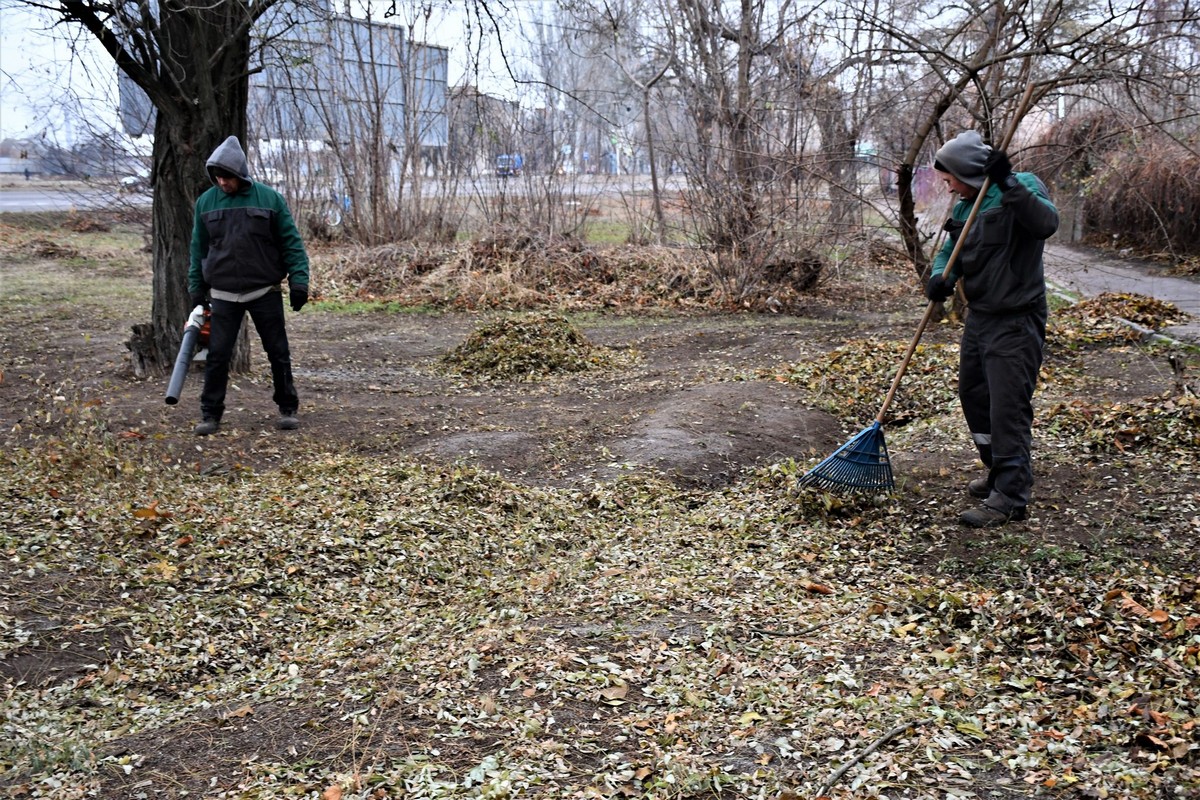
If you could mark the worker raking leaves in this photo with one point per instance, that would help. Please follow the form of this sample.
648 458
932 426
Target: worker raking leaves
1000 268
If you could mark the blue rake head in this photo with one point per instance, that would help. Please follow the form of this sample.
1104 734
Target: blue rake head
860 464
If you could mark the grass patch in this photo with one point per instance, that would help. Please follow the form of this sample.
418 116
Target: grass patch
361 307
606 232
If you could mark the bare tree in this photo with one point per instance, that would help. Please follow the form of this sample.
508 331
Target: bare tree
643 64
194 62
974 64
361 107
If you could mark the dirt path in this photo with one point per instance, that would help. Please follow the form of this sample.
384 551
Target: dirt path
374 384
1087 272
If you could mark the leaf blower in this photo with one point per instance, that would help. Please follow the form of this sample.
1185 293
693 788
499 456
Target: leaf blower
195 333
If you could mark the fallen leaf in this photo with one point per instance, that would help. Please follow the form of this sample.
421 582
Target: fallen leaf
613 695
971 729
150 512
1134 607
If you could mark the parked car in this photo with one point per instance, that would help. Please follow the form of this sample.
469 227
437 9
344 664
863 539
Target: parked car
135 183
509 164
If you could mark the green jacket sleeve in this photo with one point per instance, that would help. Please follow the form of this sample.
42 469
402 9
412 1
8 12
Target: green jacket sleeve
295 257
940 260
943 256
199 250
1031 206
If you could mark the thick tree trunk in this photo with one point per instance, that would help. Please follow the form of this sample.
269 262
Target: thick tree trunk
838 163
185 134
179 177
909 234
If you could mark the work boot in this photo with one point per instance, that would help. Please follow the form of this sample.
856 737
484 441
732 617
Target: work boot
984 516
979 488
287 422
207 427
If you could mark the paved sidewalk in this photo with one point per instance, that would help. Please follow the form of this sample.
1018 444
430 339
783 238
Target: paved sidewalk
1086 272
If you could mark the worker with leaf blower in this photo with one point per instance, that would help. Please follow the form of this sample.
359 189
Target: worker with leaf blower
244 244
1000 268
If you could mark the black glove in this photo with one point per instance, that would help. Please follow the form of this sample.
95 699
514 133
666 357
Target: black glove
298 296
199 299
999 169
938 289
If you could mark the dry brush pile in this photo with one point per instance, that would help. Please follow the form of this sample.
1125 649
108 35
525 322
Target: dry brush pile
1139 187
522 271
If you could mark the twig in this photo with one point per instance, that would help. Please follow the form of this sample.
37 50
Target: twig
871 748
805 632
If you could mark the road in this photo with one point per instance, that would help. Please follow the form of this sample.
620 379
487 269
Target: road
63 197
16 196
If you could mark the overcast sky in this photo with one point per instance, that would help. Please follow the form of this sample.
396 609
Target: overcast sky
47 87
36 70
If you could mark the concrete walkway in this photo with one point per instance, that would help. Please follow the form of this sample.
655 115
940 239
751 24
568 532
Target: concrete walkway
1085 272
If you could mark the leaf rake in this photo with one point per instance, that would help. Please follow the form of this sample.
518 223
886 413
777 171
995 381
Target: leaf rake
863 463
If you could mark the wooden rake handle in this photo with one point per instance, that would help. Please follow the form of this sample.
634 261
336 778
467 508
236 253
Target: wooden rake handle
1022 107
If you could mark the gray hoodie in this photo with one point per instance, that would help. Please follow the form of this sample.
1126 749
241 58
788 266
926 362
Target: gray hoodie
230 157
246 241
963 157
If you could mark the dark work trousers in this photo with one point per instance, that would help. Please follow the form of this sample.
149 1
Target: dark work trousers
998 367
226 322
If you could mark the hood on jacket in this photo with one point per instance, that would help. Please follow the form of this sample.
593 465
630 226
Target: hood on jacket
230 157
963 157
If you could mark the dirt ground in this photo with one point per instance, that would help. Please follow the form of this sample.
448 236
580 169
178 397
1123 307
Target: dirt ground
372 383
692 405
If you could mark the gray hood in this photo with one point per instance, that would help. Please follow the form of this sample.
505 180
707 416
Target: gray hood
963 157
230 157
